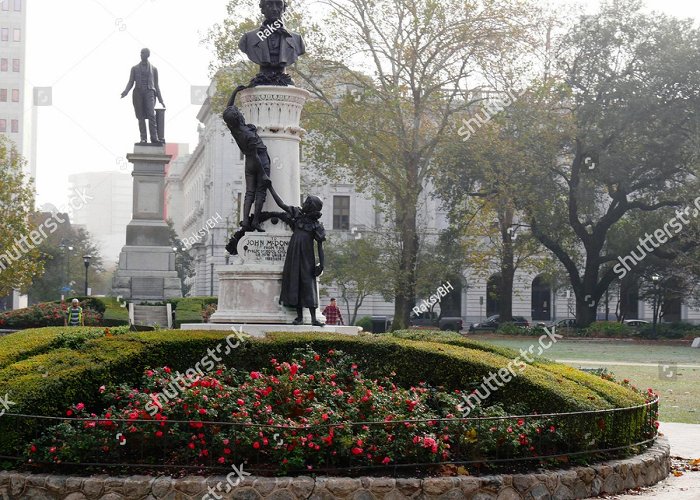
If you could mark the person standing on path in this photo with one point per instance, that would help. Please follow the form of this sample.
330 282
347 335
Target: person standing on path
74 315
332 314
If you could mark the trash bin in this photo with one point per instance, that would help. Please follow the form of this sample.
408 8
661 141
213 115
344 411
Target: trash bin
378 324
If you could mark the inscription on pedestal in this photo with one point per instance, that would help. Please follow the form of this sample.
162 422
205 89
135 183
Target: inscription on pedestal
147 287
261 248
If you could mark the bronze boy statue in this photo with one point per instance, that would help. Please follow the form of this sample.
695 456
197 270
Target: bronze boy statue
257 162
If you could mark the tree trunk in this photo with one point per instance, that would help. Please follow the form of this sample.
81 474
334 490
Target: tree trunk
505 309
405 286
585 314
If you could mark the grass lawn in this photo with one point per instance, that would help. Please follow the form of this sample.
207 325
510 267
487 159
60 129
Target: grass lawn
114 309
643 364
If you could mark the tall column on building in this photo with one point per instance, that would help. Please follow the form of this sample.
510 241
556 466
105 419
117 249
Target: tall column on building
147 262
250 286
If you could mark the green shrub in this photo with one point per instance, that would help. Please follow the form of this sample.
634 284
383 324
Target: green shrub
511 329
616 395
192 303
94 303
608 329
365 322
31 342
676 330
46 382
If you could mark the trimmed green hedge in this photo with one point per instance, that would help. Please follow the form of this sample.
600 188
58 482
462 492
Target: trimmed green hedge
192 303
617 395
45 382
27 343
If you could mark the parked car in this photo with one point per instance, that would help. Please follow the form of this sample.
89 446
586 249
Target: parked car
636 323
431 320
424 320
492 322
562 323
451 323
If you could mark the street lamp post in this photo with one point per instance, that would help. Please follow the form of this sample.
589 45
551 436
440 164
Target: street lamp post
67 250
86 261
655 279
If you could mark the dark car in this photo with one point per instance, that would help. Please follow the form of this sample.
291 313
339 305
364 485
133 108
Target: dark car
431 320
562 323
492 322
636 323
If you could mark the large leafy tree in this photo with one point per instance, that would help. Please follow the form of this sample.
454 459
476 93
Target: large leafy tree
19 262
481 184
406 68
633 149
62 254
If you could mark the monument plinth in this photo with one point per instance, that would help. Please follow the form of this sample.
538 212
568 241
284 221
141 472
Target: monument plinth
147 262
250 286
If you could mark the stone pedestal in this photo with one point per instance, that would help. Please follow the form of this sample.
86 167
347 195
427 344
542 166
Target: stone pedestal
147 262
249 287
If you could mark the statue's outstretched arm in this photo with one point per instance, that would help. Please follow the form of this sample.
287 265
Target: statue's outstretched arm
132 81
278 200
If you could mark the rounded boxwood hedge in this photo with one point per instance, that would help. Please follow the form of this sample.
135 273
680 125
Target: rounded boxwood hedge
43 375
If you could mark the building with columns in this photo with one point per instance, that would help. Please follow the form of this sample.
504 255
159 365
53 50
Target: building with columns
207 188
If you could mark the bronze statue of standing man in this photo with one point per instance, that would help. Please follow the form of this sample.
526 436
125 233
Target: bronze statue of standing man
144 80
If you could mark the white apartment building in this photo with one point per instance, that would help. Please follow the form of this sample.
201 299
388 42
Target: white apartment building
13 98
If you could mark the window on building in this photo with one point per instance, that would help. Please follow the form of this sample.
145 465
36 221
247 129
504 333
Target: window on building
3 95
4 34
341 212
18 5
3 125
15 65
14 126
5 4
3 64
15 95
16 35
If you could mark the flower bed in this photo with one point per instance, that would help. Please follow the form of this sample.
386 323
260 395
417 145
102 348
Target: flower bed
44 375
315 411
46 314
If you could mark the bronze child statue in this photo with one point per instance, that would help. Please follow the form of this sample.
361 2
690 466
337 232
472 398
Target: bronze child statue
257 162
300 269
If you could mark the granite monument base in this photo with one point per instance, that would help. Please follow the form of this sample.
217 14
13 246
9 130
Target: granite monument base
147 273
146 269
259 330
250 292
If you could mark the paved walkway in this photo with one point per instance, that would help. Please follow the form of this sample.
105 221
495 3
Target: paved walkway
685 444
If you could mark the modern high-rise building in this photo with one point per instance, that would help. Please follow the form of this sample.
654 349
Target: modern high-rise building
13 98
102 203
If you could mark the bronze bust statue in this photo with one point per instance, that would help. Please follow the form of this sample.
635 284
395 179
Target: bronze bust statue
272 46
